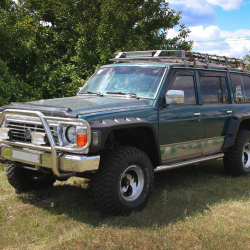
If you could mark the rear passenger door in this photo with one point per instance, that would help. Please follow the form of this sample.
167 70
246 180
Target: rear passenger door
217 107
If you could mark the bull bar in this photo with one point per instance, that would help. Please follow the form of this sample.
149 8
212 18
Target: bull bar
53 148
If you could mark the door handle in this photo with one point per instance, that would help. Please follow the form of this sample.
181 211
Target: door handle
229 112
197 114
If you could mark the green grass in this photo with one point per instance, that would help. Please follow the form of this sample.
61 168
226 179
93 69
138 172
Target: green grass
196 207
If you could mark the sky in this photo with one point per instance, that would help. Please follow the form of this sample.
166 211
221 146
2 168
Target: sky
220 27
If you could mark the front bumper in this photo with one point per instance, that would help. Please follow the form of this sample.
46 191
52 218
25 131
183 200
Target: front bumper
67 162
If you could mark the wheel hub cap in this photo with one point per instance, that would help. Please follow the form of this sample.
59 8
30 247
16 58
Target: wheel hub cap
246 156
132 182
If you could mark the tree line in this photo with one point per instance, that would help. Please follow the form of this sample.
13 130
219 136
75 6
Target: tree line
48 48
247 61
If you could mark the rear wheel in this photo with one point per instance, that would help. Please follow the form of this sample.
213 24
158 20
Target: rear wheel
25 179
124 181
237 158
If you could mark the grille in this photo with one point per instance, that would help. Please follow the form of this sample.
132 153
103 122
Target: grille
21 131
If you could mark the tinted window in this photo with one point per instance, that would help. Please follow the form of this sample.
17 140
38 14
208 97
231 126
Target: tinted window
238 90
224 90
246 83
214 89
181 91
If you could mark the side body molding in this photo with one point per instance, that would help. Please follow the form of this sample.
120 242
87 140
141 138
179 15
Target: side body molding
233 127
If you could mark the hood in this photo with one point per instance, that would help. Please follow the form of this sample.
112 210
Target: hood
73 106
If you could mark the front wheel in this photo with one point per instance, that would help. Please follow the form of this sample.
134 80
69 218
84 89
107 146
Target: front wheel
124 181
237 158
25 179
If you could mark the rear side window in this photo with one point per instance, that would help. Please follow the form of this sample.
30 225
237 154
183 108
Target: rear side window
214 89
241 88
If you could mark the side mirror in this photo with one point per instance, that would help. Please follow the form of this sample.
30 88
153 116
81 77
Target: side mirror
164 103
174 97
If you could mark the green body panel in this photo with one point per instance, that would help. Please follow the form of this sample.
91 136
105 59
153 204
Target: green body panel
148 112
241 107
177 124
217 119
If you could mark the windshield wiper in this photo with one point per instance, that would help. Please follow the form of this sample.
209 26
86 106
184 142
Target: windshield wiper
123 93
97 93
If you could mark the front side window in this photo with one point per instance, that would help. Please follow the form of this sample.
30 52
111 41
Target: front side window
214 89
181 91
142 81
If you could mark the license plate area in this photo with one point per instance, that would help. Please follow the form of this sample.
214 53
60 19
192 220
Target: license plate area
26 157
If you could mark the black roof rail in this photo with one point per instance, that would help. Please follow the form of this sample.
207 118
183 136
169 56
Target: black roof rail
182 56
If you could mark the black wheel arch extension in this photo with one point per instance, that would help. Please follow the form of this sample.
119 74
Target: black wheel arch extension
126 124
238 121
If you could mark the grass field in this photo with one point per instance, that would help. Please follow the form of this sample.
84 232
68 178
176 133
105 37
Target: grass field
196 207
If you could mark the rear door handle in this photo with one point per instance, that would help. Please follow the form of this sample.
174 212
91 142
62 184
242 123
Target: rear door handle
197 114
229 112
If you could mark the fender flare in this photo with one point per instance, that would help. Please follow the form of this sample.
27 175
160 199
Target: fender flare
106 126
233 127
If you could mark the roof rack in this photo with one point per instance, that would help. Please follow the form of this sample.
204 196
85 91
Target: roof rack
180 56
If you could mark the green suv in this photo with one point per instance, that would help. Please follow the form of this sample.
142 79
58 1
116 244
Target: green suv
149 111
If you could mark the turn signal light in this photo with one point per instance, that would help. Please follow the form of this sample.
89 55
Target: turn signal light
82 138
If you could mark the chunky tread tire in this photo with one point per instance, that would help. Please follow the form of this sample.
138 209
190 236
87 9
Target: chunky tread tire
19 178
233 158
106 182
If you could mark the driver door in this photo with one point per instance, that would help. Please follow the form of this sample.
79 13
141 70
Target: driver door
181 123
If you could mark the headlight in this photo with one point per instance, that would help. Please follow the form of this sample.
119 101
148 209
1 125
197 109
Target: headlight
71 134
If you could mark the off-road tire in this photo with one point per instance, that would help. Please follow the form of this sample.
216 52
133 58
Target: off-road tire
235 160
107 182
24 179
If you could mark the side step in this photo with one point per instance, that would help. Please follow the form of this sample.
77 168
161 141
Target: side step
184 163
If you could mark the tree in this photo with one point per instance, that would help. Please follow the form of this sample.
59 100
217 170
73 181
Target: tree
247 60
11 88
52 45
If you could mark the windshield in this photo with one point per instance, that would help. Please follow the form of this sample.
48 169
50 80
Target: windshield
141 81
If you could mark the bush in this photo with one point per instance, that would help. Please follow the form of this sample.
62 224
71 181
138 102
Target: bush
11 88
